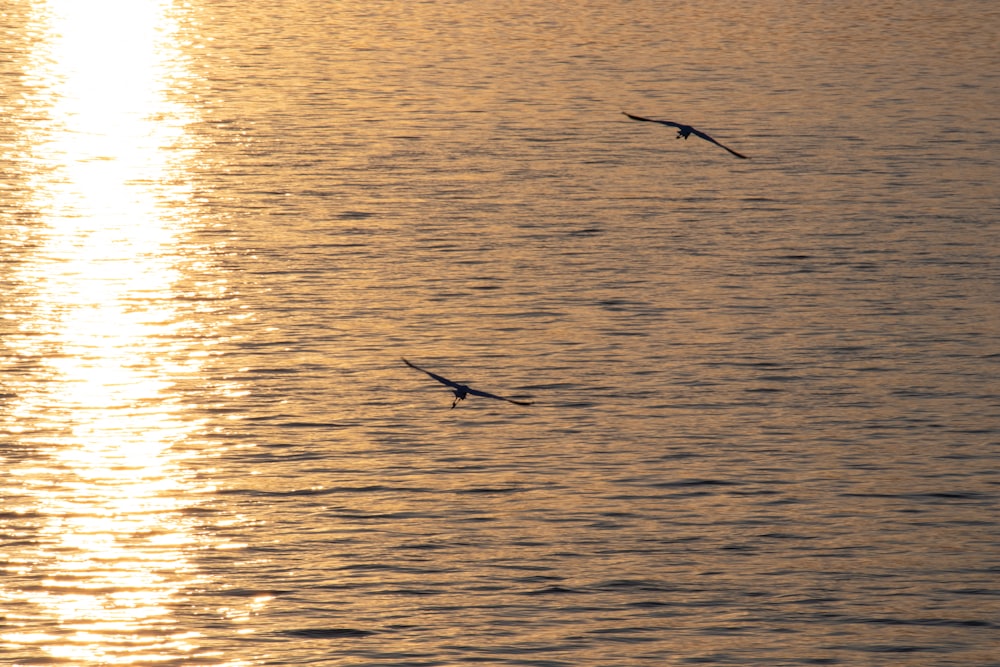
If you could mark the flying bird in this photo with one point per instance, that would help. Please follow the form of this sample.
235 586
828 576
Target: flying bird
685 131
461 391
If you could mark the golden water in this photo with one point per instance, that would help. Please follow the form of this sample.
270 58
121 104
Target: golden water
765 408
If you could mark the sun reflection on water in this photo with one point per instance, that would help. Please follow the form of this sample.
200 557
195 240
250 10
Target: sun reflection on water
98 476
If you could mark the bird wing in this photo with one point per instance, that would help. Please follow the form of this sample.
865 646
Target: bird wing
484 394
708 138
668 123
456 385
680 126
442 380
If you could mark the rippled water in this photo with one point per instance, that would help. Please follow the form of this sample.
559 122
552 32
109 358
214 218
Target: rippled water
765 418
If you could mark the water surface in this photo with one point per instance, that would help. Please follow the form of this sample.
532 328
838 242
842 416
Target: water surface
765 410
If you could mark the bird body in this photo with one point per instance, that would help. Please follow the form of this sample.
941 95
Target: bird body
462 391
684 131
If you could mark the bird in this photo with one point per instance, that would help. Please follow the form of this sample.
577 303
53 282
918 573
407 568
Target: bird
684 131
461 391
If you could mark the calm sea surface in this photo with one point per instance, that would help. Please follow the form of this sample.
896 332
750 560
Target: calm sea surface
766 410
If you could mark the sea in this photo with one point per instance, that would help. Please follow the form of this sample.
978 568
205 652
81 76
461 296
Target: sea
758 400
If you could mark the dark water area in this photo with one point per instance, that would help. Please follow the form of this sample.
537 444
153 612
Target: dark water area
765 415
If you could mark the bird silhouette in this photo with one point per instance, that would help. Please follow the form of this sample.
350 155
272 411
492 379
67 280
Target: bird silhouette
461 391
684 131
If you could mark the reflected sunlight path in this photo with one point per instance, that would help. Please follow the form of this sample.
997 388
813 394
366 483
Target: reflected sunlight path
99 335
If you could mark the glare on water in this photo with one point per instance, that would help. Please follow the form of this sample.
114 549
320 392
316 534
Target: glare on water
94 305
